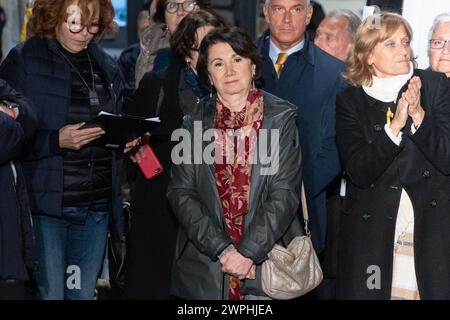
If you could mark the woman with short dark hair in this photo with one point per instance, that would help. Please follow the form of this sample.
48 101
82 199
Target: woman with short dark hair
233 210
171 94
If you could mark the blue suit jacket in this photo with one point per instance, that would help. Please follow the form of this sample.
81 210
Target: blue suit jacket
310 79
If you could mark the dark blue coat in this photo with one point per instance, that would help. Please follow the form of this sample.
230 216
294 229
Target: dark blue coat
16 236
37 69
310 79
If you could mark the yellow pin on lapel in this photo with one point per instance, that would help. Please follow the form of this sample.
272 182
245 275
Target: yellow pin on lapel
389 115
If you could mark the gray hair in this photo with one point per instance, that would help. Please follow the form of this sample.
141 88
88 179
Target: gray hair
308 2
441 18
353 20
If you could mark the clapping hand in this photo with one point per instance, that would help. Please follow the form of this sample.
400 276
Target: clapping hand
409 105
412 96
401 115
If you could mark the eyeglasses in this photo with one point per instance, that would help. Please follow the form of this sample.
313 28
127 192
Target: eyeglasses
76 27
188 6
438 43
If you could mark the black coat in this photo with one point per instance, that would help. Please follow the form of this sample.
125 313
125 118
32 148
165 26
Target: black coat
16 235
377 171
153 227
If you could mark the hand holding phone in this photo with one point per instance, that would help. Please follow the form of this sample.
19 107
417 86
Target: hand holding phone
149 164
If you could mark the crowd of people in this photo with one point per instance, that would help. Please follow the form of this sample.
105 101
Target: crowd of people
244 124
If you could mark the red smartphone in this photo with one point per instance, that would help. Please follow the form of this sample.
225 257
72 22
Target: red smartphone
150 165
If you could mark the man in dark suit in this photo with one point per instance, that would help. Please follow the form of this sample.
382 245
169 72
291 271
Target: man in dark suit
298 71
2 25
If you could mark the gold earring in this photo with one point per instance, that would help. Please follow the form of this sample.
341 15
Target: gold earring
211 89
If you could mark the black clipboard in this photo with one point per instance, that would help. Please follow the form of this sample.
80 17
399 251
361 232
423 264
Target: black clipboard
120 129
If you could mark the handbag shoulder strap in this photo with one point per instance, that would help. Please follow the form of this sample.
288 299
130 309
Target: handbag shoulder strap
305 210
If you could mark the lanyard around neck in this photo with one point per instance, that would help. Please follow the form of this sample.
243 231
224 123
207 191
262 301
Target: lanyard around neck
93 97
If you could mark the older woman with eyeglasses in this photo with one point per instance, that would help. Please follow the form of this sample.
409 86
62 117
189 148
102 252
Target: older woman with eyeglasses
439 47
168 16
73 186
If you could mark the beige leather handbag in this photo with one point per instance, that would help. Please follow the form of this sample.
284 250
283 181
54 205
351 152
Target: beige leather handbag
293 271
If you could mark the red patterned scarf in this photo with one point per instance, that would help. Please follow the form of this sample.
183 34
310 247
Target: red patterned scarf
236 138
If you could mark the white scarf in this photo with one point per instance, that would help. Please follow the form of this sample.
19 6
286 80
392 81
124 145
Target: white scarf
387 89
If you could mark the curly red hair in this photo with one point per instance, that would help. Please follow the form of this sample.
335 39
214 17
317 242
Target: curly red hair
48 14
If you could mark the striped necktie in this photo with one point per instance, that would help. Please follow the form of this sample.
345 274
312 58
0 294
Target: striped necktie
282 57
